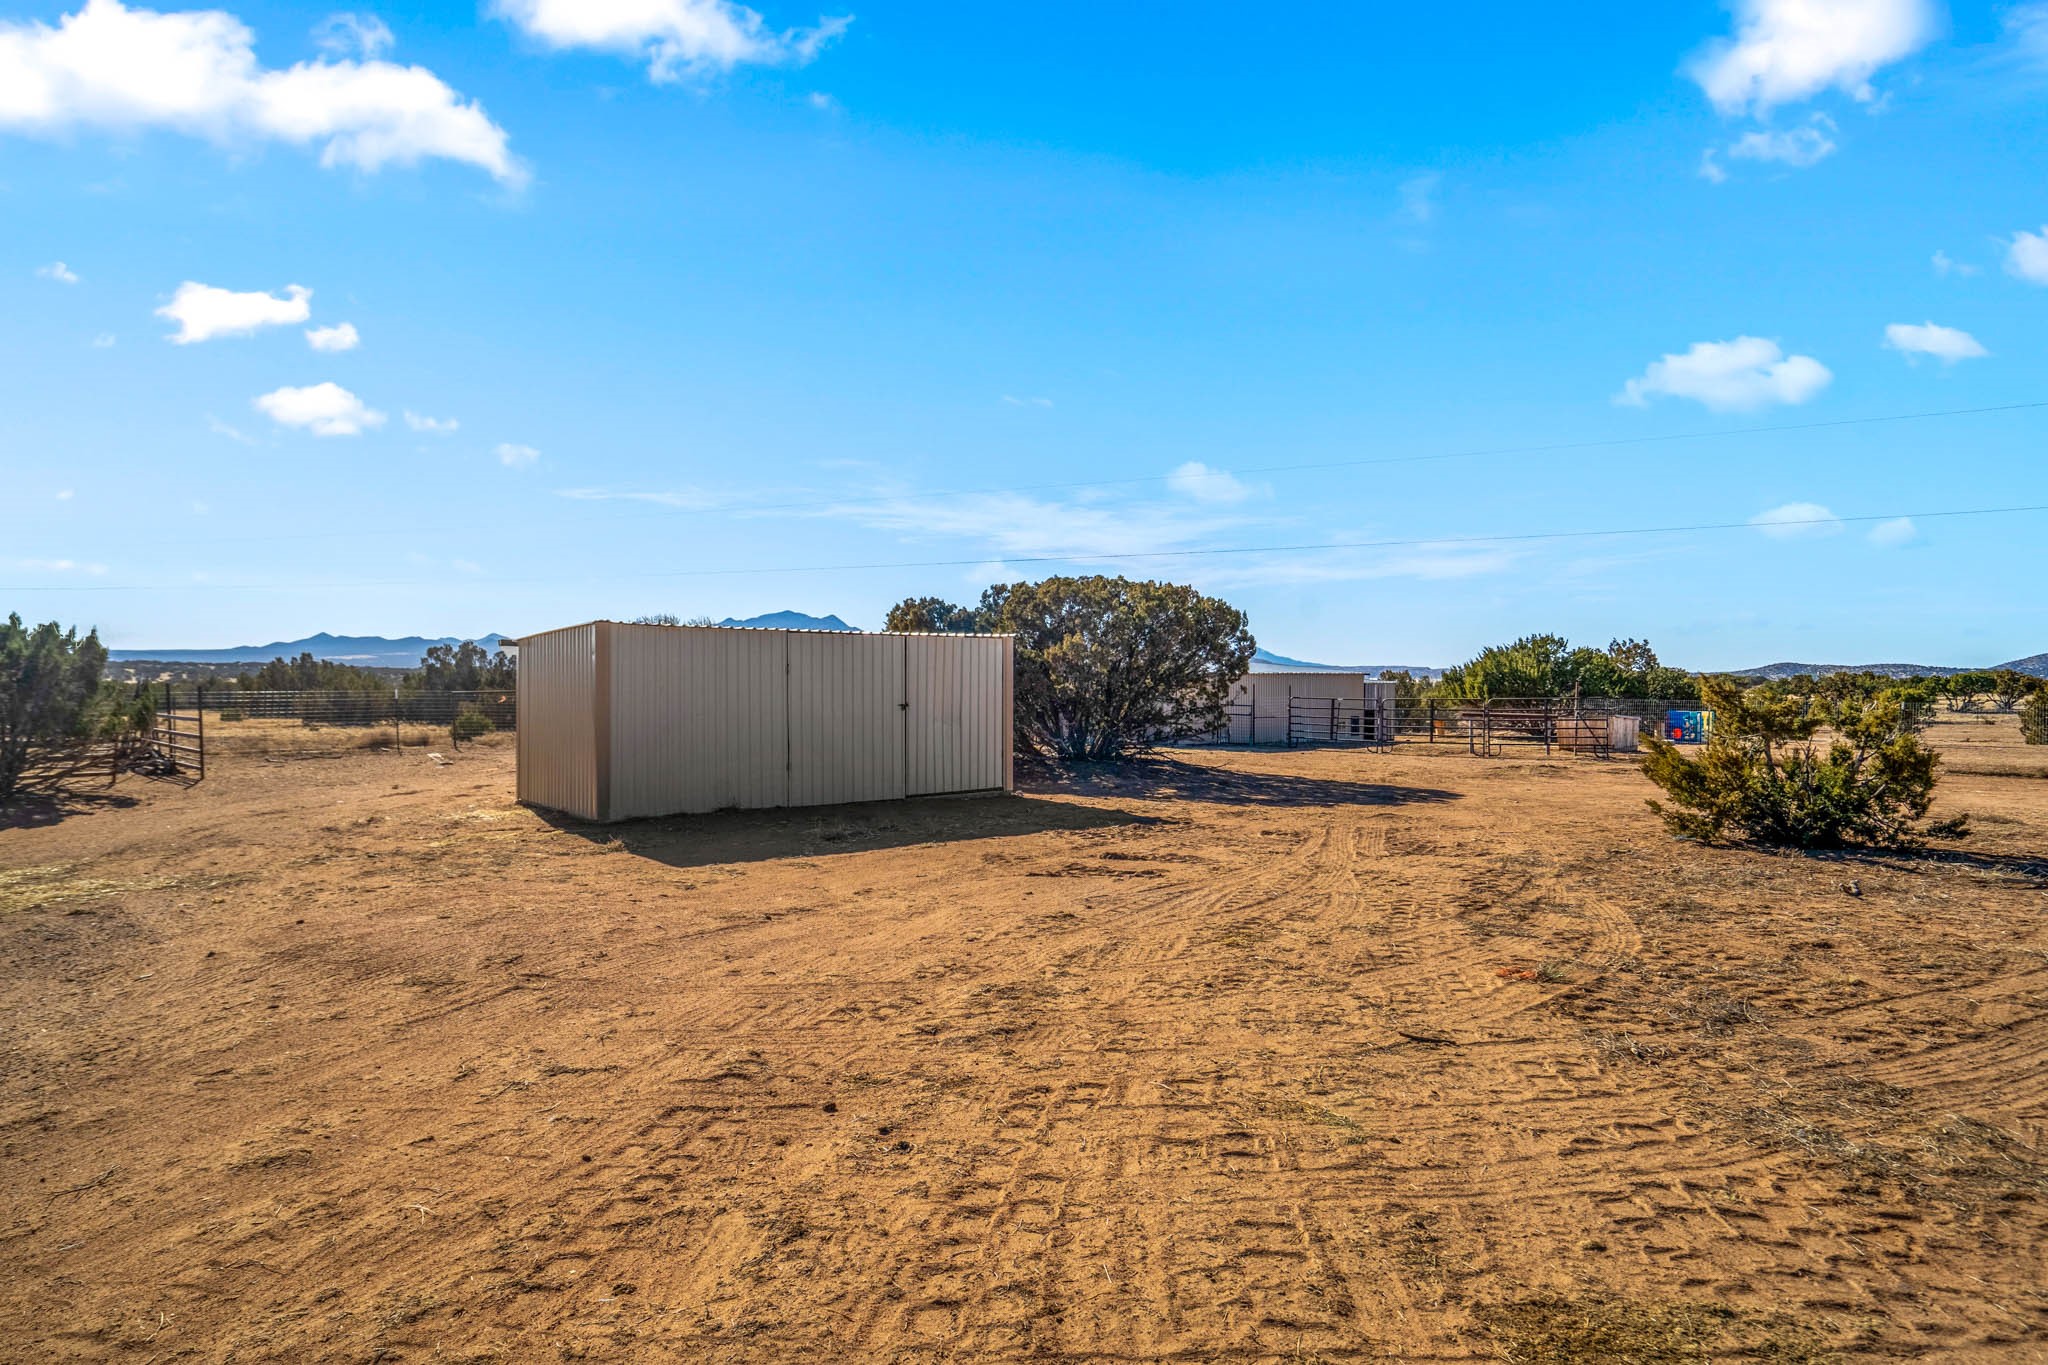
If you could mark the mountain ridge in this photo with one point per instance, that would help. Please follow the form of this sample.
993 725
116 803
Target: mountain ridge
368 651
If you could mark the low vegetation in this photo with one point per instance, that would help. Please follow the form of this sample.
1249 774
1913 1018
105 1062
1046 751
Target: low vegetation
1550 666
52 699
1803 772
1106 667
2034 718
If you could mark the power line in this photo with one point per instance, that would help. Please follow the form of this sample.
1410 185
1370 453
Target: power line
1138 480
1511 538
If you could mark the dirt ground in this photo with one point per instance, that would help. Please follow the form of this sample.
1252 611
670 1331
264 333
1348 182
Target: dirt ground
1276 1057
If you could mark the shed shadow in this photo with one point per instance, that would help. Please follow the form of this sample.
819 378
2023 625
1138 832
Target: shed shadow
751 836
1173 779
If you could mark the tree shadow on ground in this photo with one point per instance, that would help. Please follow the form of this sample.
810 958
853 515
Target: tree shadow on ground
33 809
820 831
1174 779
2032 868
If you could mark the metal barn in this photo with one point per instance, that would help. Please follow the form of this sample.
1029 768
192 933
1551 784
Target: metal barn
1321 707
618 721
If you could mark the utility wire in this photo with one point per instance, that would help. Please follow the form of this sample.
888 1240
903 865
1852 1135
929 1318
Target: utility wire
742 508
1084 557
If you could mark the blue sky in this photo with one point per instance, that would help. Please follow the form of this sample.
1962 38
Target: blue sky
673 305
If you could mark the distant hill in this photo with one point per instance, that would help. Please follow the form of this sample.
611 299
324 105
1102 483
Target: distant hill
368 651
1265 661
2036 665
789 620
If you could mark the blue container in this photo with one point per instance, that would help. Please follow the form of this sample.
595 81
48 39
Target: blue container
1687 727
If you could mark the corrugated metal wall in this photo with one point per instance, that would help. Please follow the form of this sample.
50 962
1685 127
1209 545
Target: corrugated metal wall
557 720
1269 695
846 718
692 719
959 734
699 719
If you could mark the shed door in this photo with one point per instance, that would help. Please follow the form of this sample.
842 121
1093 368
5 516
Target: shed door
954 736
845 718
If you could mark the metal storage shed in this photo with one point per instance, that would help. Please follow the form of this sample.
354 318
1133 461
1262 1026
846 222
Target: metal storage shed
618 721
1320 707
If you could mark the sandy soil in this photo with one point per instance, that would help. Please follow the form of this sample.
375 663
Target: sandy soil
1240 1057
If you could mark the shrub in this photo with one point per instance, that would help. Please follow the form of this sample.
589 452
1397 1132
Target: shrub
470 721
1802 772
2034 718
1107 668
50 694
931 616
233 713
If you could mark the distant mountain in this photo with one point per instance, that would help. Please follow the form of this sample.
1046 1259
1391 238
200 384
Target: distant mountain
2035 665
789 620
1265 661
367 651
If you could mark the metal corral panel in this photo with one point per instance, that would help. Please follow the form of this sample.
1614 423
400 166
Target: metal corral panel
846 718
958 718
1260 703
698 720
558 765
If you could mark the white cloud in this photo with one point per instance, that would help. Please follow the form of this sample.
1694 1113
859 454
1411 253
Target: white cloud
691 499
1945 266
1196 480
823 102
1430 563
1946 344
66 494
353 35
1730 376
1018 526
1710 169
58 271
1017 402
103 342
437 426
674 37
1797 520
56 566
1784 51
220 428
195 72
1803 146
2026 28
203 311
516 456
340 337
323 409
1418 197
2027 257
1894 533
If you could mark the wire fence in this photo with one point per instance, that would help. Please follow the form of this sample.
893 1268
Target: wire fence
326 723
1492 727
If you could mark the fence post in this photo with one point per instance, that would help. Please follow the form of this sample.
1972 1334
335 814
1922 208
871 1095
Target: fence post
397 735
1432 720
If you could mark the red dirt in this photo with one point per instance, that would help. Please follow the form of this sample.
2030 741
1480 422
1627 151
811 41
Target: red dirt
1241 1057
